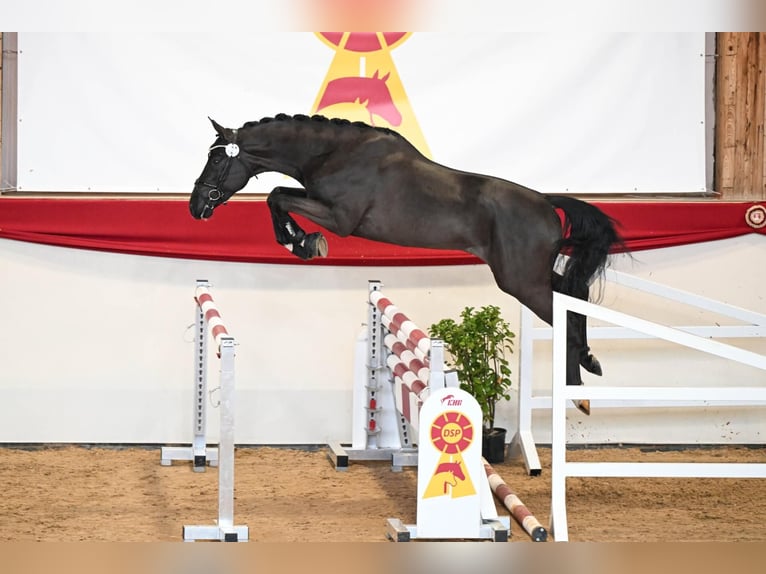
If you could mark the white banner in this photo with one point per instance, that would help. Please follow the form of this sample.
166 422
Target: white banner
579 113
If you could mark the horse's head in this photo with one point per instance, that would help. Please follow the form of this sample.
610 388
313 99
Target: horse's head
224 174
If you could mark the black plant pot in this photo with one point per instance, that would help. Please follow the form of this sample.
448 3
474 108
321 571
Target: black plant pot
493 445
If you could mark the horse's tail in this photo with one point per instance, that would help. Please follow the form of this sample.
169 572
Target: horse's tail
589 235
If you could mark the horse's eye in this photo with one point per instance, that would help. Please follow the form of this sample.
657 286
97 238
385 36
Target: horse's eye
217 160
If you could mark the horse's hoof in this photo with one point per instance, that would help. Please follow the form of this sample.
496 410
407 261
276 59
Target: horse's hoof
315 245
591 364
322 249
583 406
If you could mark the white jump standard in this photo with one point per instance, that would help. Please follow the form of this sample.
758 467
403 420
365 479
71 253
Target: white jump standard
395 364
209 318
199 453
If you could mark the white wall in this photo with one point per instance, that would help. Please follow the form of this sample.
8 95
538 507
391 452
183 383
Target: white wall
559 112
95 348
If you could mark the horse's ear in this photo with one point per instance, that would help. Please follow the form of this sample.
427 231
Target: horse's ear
219 129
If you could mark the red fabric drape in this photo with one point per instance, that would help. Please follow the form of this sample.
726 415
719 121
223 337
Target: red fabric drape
649 225
242 231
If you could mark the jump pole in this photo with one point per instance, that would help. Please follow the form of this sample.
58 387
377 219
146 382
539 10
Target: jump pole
224 530
515 506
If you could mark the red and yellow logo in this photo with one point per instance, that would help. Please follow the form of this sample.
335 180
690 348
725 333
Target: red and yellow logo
362 83
451 434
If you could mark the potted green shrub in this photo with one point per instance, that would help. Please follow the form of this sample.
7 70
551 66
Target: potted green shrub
477 349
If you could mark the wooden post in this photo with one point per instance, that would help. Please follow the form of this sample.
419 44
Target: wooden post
740 157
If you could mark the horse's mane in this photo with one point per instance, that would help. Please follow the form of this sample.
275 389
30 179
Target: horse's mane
340 122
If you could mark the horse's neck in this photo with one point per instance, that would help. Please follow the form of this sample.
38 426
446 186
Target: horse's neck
292 148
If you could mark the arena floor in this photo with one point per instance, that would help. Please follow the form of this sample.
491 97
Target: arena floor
77 493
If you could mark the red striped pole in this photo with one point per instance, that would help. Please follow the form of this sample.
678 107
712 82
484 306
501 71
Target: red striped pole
399 322
394 344
211 313
512 502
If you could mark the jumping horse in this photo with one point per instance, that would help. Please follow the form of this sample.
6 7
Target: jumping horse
371 182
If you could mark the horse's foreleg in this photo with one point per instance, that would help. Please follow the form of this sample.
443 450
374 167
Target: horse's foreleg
287 231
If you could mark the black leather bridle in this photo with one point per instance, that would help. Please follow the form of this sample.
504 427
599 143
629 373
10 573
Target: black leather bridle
214 194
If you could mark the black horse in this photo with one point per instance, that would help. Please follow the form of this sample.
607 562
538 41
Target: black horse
371 182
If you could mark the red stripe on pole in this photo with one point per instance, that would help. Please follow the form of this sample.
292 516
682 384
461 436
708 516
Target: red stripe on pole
399 318
219 330
418 387
398 348
210 313
416 335
399 370
415 364
382 304
396 329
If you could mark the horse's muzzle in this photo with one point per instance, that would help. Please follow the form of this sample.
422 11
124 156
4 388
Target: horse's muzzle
200 204
200 209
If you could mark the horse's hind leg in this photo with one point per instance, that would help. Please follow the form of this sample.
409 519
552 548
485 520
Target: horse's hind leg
533 287
578 352
544 310
589 362
577 327
525 271
287 231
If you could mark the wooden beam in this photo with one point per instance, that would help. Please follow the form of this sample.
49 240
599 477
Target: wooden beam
740 141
